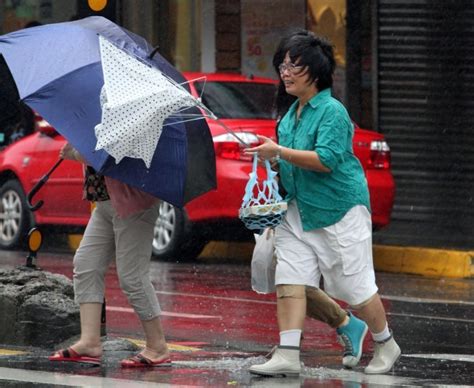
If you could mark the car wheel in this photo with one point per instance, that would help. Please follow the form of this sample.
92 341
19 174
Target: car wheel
173 239
15 217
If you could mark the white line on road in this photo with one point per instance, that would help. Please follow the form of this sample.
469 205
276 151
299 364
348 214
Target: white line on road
411 299
407 299
449 357
198 316
165 313
215 297
437 318
387 297
63 379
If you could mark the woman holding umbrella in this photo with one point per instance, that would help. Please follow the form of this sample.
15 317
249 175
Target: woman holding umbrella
120 227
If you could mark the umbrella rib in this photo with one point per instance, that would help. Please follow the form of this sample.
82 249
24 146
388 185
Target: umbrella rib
230 131
183 121
217 120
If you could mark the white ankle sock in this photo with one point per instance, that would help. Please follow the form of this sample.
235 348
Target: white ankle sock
383 335
290 337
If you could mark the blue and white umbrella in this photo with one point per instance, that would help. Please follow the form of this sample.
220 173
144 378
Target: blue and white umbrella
59 72
136 100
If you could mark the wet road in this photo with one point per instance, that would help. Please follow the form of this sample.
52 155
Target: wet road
217 327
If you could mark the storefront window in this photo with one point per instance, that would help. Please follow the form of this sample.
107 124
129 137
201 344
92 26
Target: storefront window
328 18
172 25
188 32
18 14
264 23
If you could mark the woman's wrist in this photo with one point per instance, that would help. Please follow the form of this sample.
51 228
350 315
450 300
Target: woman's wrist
278 153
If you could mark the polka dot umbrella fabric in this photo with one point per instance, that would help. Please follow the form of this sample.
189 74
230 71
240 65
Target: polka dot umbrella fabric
136 100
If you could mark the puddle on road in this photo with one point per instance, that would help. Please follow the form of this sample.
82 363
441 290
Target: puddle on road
232 364
240 365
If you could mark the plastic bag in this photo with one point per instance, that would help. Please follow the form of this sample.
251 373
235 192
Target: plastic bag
264 262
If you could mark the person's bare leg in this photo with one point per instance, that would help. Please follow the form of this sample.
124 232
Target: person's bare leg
291 313
89 342
322 307
156 348
351 330
373 313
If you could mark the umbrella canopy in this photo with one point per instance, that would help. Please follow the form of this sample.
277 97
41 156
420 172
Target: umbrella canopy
135 95
58 71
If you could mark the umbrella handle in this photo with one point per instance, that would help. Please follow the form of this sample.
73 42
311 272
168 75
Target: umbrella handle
39 185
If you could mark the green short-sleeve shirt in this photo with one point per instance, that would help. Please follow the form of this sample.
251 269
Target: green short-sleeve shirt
325 127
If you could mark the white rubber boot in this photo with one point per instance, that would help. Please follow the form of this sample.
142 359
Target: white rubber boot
385 355
285 361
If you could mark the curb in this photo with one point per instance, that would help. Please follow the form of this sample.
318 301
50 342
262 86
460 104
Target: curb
73 241
410 260
424 261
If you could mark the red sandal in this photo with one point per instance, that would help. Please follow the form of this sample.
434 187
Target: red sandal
70 355
140 361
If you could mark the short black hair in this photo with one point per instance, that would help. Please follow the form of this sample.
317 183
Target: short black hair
314 52
33 23
282 48
283 100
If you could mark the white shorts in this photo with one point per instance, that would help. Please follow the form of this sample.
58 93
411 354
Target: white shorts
341 253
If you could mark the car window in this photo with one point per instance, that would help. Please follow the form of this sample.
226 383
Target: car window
238 100
15 130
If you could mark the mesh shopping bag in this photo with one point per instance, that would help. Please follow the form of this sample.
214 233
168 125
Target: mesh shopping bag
262 205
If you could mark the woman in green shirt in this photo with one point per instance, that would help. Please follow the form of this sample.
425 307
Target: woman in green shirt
327 229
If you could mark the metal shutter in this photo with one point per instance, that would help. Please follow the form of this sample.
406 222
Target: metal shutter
425 108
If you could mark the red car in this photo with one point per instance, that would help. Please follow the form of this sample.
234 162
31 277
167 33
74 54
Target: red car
243 104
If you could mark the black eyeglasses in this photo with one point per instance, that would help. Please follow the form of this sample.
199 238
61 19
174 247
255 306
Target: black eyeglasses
291 67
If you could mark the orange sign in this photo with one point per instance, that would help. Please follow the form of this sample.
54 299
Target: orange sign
97 5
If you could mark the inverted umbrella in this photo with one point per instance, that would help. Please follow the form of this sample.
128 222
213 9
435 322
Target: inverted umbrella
58 72
136 100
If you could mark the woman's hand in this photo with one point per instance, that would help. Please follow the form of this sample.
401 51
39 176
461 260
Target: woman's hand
268 150
68 152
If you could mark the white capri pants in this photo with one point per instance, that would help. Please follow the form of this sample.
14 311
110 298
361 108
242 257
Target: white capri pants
341 253
128 241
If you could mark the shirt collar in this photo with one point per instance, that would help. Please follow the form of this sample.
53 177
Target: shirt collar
320 97
314 101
